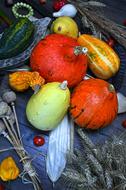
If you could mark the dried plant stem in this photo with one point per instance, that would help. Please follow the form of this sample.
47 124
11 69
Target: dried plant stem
23 155
86 140
14 136
13 139
104 24
7 149
16 121
13 130
7 137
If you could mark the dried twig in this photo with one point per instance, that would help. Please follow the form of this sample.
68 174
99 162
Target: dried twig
103 23
104 171
12 133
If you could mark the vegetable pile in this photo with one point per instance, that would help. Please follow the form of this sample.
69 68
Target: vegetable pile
68 59
66 55
58 66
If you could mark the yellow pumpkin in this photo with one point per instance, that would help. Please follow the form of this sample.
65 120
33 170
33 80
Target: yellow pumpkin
103 61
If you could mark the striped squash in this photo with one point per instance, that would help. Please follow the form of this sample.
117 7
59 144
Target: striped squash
103 61
16 38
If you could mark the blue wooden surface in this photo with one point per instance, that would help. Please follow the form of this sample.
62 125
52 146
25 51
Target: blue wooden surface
39 153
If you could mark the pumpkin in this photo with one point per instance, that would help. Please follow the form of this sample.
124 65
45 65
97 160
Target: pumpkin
58 58
22 80
94 104
103 61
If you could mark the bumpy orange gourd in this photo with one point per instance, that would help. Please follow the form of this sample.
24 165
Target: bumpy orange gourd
55 59
103 61
22 80
94 104
8 169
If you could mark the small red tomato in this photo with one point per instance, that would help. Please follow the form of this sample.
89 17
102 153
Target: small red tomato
111 42
124 22
2 187
124 123
39 140
58 4
42 1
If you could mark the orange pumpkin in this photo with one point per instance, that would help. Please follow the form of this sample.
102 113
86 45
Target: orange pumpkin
103 61
56 59
94 104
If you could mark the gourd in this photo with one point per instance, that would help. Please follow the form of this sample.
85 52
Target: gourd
16 38
58 58
103 61
66 26
67 10
8 169
48 106
22 80
94 104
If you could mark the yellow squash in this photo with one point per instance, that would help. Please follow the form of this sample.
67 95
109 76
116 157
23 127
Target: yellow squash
46 109
103 61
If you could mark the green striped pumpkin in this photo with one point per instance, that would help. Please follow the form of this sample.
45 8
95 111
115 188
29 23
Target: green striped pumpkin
103 61
16 38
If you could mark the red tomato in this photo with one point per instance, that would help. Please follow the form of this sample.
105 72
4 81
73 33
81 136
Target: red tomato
111 42
39 140
42 1
124 22
58 4
2 187
124 123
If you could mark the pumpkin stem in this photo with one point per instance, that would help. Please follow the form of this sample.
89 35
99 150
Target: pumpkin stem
80 50
63 85
111 88
36 88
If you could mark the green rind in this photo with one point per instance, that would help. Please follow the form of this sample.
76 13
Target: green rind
16 38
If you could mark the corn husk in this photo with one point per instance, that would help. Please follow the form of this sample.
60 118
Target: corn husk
60 143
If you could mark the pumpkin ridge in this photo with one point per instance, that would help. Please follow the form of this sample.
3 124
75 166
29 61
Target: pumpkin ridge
95 40
98 111
101 56
98 67
92 115
103 60
81 111
99 105
77 117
